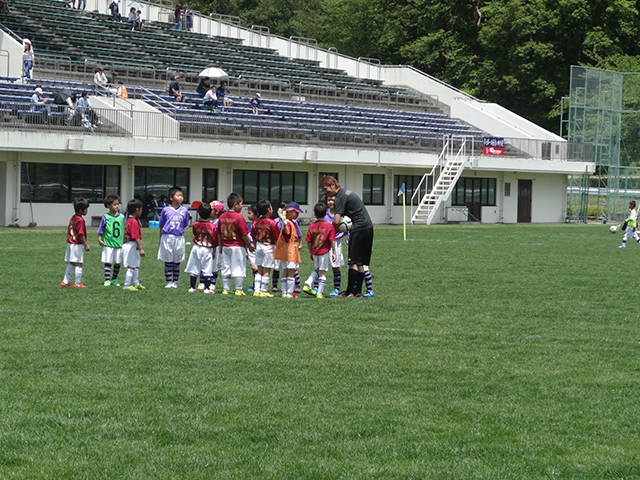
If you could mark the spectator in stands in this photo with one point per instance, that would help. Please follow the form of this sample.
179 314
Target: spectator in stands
4 6
152 207
210 99
40 104
139 22
188 16
132 18
174 89
71 105
100 79
177 14
203 86
115 11
255 104
87 112
82 4
221 92
28 60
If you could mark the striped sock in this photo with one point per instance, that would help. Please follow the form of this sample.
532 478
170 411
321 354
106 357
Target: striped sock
337 278
176 272
116 271
368 281
296 277
107 271
168 271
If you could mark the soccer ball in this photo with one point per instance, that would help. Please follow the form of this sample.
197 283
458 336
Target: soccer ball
613 229
345 224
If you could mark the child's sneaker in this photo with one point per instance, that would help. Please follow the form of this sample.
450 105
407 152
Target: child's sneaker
257 294
274 289
207 291
267 295
201 286
139 287
174 285
286 295
107 283
79 285
294 294
115 282
192 290
335 293
308 289
225 292
130 288
169 285
250 290
369 293
319 295
239 293
622 245
65 284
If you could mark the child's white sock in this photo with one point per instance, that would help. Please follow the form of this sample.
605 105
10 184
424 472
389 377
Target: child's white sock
67 273
78 275
321 283
257 283
226 283
128 277
136 272
264 284
238 281
312 279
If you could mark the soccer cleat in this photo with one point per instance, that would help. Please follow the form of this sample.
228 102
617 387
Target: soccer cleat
267 295
250 290
286 295
257 294
107 283
139 287
357 295
207 291
130 288
239 293
309 290
274 289
192 290
622 246
79 285
369 293
65 284
294 294
115 282
174 285
319 295
201 286
169 285
225 292
346 295
335 293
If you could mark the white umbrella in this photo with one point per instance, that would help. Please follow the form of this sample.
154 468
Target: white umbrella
136 5
213 72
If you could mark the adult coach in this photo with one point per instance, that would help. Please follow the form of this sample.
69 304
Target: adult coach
349 204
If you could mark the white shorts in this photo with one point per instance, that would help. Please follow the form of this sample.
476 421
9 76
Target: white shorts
74 253
200 260
282 264
171 249
264 255
111 255
322 262
234 262
252 257
130 255
339 257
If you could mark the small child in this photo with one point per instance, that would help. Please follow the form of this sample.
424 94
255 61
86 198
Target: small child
174 218
110 238
255 104
265 235
205 241
217 208
321 239
233 240
132 248
76 244
252 216
276 271
339 260
288 249
630 222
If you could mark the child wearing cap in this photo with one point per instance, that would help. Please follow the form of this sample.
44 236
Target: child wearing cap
288 248
255 103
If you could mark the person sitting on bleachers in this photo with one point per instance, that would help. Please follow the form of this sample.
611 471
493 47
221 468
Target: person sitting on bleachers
210 99
174 89
71 104
40 104
222 92
85 110
255 104
4 6
139 22
203 86
100 79
132 18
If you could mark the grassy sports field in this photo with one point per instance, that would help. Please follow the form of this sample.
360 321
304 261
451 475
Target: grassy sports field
493 352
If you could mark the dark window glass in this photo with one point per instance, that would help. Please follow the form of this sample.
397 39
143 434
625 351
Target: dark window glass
209 184
373 189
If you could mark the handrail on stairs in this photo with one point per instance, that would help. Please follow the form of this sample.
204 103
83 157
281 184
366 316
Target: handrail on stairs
425 177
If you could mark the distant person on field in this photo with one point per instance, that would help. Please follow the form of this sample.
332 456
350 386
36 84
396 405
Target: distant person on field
110 238
76 244
255 104
233 243
174 218
28 60
321 239
630 224
265 233
288 249
132 247
174 89
201 259
252 216
339 260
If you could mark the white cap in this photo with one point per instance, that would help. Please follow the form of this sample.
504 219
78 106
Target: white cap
258 95
38 90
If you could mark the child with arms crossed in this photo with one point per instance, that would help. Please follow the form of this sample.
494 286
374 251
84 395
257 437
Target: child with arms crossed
132 248
110 238
76 244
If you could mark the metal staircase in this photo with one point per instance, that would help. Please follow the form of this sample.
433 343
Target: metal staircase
449 175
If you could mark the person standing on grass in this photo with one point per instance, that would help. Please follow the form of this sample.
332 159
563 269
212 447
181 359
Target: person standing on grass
174 218
76 244
205 241
349 204
132 248
233 242
110 238
321 239
288 248
265 235
339 260
630 225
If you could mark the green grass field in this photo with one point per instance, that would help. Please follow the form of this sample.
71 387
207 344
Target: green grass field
493 352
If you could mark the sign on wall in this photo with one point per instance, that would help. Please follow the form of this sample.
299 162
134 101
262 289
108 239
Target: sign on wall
493 146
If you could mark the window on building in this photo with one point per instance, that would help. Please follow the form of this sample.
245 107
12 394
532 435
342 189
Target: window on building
209 184
373 189
411 183
158 181
473 190
254 185
61 183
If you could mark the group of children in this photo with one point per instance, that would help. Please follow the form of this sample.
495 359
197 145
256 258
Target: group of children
223 241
